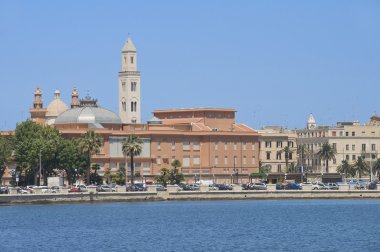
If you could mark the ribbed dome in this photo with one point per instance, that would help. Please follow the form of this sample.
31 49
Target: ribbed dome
92 115
57 106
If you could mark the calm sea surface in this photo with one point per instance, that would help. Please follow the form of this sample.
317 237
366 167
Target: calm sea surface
271 225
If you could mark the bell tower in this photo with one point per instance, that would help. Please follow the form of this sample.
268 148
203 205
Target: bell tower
129 85
38 112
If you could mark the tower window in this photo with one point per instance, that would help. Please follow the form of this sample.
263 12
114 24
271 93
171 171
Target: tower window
123 85
133 106
124 105
133 86
131 59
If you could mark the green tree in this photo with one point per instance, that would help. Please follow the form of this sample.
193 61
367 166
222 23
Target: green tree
176 176
71 159
326 153
5 154
360 167
27 147
51 140
164 177
131 147
90 144
376 168
346 169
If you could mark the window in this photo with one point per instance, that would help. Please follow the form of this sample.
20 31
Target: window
268 155
133 86
196 160
225 145
353 133
373 147
158 160
290 156
278 156
131 59
253 146
235 162
373 156
340 133
353 147
363 147
244 146
347 133
225 160
244 160
253 160
173 145
216 145
123 85
334 146
353 157
334 160
215 160
268 144
235 146
133 106
290 144
347 147
124 105
158 145
186 161
186 145
334 133
279 144
347 157
195 145
279 168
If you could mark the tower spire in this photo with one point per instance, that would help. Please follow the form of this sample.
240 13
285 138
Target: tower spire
75 98
38 112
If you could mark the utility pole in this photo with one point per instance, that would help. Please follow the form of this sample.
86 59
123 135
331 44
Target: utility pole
40 168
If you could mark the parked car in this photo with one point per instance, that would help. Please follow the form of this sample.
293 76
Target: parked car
360 185
160 188
259 186
79 188
212 187
372 185
138 187
194 187
4 190
223 187
103 188
332 186
318 186
280 186
22 190
293 186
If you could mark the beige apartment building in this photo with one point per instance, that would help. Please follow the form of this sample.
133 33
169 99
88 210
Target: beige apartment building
350 140
273 140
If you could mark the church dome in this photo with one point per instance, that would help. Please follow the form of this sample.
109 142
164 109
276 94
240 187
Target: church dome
90 115
57 106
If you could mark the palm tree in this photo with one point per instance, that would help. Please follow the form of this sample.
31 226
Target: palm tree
360 167
131 146
345 168
326 153
376 168
287 150
90 144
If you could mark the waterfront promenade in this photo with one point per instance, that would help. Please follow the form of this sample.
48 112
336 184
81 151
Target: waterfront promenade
173 194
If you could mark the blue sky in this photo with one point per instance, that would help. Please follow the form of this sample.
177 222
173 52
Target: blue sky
273 61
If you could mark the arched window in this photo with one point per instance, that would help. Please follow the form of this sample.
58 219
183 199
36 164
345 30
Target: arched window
124 105
135 106
132 105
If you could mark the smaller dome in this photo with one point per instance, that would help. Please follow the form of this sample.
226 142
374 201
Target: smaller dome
89 115
57 106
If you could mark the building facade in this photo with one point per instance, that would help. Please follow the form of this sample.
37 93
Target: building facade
350 140
274 157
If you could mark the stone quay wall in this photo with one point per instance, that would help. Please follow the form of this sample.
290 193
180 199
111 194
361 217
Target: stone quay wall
185 195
